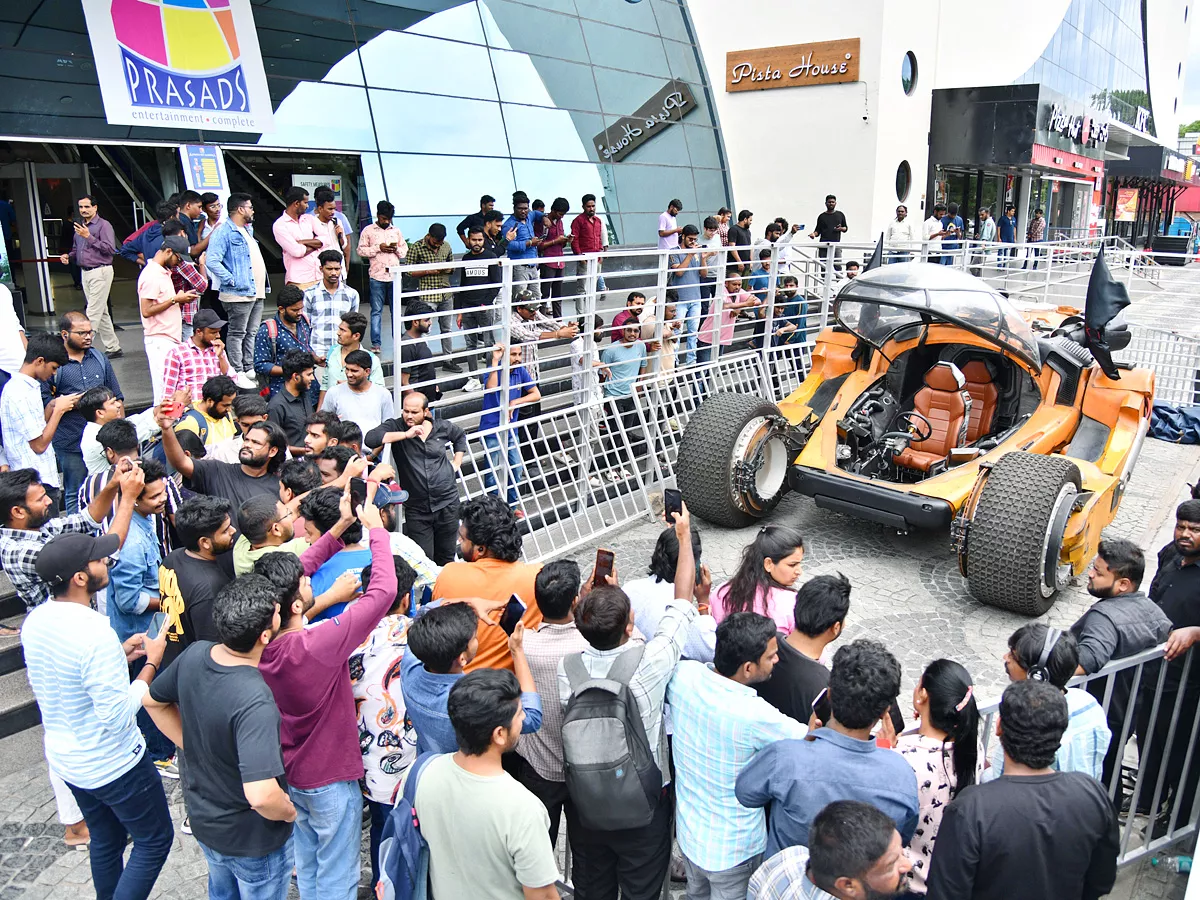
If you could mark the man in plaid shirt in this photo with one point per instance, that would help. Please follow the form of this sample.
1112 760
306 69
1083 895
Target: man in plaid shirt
26 526
197 359
433 249
186 276
325 302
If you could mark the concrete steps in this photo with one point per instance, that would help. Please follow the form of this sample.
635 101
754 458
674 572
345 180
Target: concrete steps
18 709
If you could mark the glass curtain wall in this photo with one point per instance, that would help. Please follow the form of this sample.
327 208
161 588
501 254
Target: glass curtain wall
1097 56
441 103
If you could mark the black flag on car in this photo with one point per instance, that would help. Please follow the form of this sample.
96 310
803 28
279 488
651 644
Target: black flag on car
876 259
1106 297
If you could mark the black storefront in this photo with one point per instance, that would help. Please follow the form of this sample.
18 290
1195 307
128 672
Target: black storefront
1022 144
1140 195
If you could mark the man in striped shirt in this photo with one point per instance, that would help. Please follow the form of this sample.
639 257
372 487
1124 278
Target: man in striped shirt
79 673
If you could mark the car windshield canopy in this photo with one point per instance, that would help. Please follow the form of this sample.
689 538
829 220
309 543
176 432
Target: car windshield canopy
877 304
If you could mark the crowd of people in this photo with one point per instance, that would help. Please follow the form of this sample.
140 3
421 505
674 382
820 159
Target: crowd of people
273 591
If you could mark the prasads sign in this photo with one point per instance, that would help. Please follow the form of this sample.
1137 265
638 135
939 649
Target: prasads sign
181 63
797 65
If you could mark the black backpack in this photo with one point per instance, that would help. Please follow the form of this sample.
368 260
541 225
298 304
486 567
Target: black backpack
612 778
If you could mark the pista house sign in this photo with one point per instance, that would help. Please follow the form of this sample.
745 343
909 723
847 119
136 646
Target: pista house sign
661 111
797 65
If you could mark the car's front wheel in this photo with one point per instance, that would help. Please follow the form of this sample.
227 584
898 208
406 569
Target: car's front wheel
1016 533
733 461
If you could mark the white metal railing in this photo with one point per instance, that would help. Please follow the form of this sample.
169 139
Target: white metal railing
1158 719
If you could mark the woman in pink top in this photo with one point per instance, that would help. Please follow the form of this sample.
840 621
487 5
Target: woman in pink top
765 581
733 300
944 753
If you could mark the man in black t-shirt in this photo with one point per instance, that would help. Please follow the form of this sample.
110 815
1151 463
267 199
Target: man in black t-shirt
831 225
214 702
190 576
1032 833
264 450
1176 589
475 220
480 284
739 236
821 607
416 359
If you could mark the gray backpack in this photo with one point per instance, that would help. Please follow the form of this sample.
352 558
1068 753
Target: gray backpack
612 778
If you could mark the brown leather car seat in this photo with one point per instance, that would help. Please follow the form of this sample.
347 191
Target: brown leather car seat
984 398
945 402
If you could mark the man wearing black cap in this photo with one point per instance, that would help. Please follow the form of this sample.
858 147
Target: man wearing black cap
78 670
189 364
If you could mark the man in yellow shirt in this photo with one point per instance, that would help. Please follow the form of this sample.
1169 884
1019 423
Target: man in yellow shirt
210 419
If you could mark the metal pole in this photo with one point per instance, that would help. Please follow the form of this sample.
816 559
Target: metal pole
660 303
768 388
504 435
587 403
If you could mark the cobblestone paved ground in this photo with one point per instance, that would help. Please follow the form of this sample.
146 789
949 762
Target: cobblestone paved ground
907 593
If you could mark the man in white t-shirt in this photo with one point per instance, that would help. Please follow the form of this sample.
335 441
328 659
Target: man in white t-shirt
902 236
500 848
934 232
668 228
358 399
12 335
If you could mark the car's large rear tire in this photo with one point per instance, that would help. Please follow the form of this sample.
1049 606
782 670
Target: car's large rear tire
732 464
1016 533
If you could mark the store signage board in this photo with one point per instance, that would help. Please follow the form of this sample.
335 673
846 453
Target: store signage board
796 65
1088 130
180 64
664 109
311 183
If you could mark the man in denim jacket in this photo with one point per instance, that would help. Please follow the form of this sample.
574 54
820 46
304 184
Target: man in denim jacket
238 272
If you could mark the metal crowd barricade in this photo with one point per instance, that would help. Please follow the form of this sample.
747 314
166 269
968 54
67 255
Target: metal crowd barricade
1175 359
1144 765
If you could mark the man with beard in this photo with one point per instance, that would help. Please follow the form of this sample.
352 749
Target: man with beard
190 364
85 368
522 247
588 235
214 701
307 670
1122 623
235 264
854 853
419 444
191 575
288 330
264 449
416 359
26 525
502 849
1033 833
1176 590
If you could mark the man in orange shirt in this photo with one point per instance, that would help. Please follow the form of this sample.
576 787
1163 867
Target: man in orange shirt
489 539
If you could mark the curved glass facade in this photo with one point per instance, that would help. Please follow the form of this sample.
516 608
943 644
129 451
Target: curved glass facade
441 103
1098 57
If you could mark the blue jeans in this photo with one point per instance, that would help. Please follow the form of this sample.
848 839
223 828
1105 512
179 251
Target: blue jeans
132 805
327 835
704 354
379 292
158 746
496 463
74 472
379 817
688 312
249 877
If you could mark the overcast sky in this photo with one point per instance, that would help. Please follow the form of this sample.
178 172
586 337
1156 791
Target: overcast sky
1189 104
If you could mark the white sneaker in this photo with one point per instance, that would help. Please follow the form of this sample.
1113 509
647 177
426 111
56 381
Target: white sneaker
245 380
473 385
565 458
594 482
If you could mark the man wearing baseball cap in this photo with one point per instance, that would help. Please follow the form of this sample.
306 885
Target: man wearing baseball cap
79 673
191 363
159 304
531 327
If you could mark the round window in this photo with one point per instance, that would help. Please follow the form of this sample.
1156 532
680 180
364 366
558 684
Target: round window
903 180
908 72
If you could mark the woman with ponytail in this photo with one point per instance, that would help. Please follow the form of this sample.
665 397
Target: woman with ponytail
765 582
943 751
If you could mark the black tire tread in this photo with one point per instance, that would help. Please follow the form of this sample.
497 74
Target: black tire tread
1004 549
702 465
